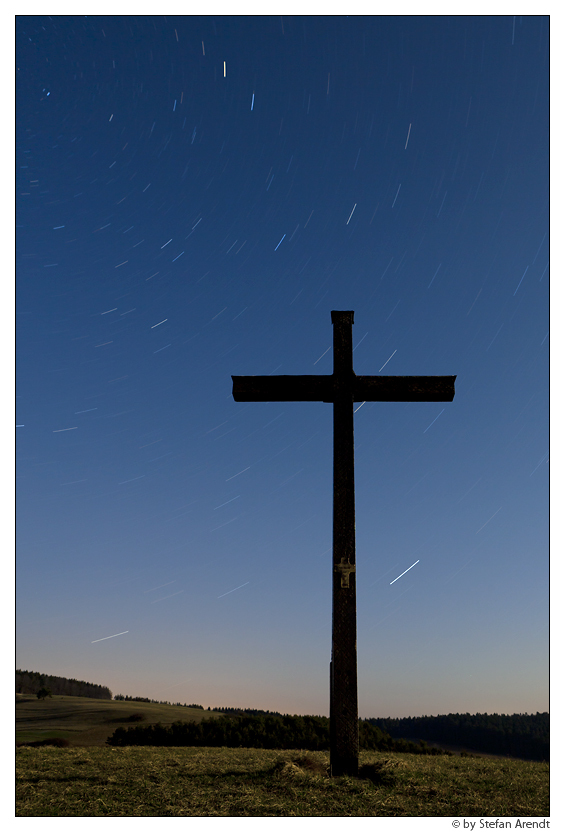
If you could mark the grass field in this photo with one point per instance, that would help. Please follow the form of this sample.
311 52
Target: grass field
90 779
84 721
238 782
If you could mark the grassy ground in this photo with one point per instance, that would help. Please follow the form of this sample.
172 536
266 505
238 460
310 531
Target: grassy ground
84 721
232 782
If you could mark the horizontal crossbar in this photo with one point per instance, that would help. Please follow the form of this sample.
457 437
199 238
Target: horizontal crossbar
364 388
282 388
404 388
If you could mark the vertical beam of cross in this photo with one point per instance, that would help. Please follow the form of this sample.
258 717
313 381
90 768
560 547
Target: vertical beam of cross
344 724
342 389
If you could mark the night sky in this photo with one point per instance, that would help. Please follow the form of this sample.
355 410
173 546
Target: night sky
194 196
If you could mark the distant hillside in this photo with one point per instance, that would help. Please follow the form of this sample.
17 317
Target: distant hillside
27 681
83 721
525 736
517 735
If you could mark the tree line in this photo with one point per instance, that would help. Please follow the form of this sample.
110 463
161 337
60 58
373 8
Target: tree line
27 681
281 732
517 735
120 697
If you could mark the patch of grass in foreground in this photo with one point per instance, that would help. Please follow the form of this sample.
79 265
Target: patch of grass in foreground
249 782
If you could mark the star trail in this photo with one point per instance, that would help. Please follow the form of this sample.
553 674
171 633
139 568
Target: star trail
194 195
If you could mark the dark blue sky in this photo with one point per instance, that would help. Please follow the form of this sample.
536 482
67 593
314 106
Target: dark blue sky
194 196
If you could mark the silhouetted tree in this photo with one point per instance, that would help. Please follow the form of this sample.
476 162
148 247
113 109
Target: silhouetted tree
43 693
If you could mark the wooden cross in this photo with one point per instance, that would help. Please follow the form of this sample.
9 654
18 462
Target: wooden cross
342 389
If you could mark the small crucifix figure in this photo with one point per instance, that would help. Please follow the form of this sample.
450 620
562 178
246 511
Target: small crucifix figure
342 389
344 568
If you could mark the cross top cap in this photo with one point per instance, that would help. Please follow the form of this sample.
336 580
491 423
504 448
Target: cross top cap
338 317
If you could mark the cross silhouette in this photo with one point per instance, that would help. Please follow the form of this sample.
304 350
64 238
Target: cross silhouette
342 389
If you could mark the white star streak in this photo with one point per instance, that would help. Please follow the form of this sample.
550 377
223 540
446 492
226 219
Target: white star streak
107 637
239 472
488 521
168 596
322 355
405 571
435 420
386 362
233 590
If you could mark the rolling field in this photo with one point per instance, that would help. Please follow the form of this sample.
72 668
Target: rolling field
84 721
